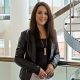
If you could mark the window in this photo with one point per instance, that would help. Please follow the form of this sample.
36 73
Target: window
66 2
61 49
75 54
5 9
72 54
31 5
1 47
1 6
61 45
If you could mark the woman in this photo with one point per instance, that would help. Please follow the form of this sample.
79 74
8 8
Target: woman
37 52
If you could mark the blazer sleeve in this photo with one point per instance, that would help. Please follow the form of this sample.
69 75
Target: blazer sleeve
20 53
56 56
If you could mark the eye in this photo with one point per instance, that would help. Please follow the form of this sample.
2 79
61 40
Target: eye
46 13
39 12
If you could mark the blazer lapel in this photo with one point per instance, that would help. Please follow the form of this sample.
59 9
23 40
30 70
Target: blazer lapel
32 47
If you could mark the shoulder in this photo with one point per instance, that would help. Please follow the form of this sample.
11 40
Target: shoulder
25 32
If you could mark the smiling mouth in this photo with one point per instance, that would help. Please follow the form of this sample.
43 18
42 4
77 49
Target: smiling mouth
42 20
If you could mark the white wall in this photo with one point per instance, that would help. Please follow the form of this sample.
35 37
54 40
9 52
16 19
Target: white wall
18 22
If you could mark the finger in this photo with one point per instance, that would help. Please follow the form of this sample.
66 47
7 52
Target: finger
48 70
51 74
45 75
41 77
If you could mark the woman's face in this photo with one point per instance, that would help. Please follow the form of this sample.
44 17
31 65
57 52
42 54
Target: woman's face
41 16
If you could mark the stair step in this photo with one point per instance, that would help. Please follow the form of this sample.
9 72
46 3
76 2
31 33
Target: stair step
75 79
72 23
75 16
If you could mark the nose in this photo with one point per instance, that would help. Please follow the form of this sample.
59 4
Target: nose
43 15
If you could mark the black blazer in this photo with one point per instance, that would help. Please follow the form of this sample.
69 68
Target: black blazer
26 55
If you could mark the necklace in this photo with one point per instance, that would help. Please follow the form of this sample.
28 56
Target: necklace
44 46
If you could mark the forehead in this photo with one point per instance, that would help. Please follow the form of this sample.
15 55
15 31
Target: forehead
42 8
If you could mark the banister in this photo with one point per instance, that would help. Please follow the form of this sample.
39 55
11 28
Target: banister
64 9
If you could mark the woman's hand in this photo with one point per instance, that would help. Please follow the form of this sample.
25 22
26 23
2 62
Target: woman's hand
42 74
50 70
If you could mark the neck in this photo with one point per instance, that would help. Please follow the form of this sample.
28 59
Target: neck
42 31
41 28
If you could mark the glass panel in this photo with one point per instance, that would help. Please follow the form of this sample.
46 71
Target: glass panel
7 6
73 73
57 5
60 73
61 45
4 6
76 34
1 47
5 47
72 54
1 6
10 71
61 49
75 54
5 9
31 5
67 73
67 2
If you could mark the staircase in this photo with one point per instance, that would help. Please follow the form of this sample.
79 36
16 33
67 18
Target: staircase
70 27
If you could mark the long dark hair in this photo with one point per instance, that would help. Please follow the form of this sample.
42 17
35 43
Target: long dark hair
51 32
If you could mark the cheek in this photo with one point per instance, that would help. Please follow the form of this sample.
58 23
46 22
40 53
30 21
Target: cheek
37 18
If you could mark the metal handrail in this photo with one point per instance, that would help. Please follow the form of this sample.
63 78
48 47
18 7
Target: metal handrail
64 9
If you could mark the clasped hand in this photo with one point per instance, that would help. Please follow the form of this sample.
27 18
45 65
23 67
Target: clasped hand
49 71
